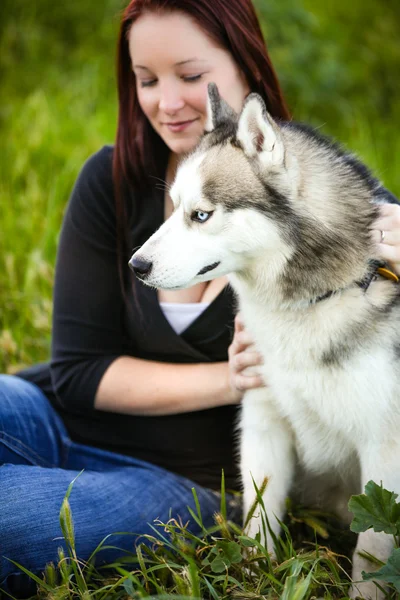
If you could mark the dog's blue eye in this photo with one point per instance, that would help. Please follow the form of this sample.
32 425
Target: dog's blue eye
201 216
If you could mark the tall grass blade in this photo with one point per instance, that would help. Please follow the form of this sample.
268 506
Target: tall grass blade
223 496
35 578
259 493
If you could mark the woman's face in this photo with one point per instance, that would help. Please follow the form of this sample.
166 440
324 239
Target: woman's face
173 60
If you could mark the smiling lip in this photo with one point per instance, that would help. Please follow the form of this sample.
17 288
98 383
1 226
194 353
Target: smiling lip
179 126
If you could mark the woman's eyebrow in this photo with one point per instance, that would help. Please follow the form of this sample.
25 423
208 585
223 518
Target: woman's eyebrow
184 62
178 64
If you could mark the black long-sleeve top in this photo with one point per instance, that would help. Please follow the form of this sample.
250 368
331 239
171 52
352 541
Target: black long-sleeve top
93 325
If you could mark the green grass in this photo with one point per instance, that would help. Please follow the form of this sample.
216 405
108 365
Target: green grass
58 107
222 562
219 564
47 143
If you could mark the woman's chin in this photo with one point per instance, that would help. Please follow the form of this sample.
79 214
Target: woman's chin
183 145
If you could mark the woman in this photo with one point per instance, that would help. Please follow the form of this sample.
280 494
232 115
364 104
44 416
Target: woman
139 392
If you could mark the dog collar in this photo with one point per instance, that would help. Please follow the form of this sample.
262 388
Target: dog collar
377 268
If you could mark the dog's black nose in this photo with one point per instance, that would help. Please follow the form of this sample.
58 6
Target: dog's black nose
139 266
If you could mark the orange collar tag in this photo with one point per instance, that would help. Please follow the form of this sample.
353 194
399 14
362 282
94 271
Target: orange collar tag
388 274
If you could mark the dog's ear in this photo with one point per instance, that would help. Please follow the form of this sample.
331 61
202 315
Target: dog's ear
258 133
218 111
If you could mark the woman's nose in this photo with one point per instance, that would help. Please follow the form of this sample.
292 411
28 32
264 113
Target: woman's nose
171 100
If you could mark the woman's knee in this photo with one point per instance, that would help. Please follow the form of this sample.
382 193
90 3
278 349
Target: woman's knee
8 384
12 387
31 432
19 397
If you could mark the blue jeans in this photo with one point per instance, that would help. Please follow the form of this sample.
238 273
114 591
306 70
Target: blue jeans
115 493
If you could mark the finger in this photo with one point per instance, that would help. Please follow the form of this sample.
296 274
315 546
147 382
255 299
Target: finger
386 237
243 360
380 236
243 383
244 338
239 323
241 341
389 209
239 326
383 224
389 217
234 349
390 253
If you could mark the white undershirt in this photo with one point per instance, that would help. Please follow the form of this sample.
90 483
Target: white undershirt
181 315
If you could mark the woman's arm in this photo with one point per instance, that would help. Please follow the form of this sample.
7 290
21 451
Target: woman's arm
135 386
142 387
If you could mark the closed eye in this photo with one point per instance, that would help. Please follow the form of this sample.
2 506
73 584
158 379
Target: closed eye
201 216
148 83
190 78
187 78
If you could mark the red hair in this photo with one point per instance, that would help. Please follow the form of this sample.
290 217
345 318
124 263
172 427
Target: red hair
139 151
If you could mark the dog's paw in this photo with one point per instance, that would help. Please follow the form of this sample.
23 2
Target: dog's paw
367 590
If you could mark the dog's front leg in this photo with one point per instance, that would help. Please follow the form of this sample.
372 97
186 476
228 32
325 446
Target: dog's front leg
266 451
379 463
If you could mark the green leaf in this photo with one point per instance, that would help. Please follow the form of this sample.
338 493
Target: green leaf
246 541
129 589
302 588
219 565
376 508
289 589
390 573
230 551
136 584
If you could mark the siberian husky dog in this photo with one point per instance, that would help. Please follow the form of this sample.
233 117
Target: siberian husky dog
287 215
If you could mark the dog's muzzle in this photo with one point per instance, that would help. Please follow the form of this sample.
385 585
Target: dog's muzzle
140 267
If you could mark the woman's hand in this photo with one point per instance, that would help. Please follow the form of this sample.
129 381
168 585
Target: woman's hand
386 234
242 357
